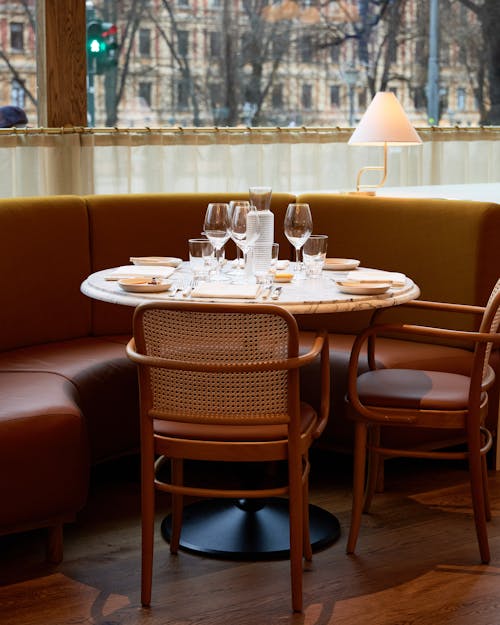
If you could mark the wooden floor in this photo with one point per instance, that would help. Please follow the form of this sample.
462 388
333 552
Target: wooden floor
417 562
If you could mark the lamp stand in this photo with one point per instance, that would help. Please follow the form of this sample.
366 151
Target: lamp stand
366 187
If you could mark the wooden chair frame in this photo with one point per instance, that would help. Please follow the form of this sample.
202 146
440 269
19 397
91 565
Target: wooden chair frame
369 419
291 445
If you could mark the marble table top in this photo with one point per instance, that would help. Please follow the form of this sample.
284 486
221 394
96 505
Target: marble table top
319 295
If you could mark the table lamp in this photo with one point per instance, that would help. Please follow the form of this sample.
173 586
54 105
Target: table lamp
384 123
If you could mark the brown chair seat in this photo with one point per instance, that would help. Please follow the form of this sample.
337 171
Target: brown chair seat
418 390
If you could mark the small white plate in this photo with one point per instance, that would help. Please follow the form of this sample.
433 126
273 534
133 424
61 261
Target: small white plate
358 288
341 264
158 261
131 285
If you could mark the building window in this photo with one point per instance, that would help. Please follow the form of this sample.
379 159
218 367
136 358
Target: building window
17 36
183 94
306 49
183 42
215 44
277 96
334 95
307 96
144 42
17 95
183 3
335 54
460 99
145 93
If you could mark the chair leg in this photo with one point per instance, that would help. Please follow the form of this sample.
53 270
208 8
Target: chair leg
148 513
476 471
374 466
177 504
296 511
358 484
486 490
306 540
54 548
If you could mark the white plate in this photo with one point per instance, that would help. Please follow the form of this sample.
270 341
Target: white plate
341 264
158 261
144 287
358 288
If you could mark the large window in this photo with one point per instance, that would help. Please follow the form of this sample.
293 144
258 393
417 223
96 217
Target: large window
180 47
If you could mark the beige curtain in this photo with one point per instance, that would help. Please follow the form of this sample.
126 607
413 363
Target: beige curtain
82 160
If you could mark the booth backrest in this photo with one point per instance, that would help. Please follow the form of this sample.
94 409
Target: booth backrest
450 248
45 255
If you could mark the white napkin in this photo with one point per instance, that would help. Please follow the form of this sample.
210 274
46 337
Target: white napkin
156 261
375 275
132 271
222 290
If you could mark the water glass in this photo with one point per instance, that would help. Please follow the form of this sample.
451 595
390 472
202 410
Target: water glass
266 276
201 257
314 254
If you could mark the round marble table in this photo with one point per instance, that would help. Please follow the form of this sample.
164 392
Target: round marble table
247 529
320 295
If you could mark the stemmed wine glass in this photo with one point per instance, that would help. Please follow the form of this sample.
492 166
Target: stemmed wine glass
217 230
243 233
298 227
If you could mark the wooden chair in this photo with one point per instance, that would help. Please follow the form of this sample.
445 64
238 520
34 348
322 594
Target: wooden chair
410 398
221 383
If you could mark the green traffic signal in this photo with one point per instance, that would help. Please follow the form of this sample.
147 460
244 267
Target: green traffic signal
102 45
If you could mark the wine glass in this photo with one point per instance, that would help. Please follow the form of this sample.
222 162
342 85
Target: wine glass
243 233
298 227
232 204
217 230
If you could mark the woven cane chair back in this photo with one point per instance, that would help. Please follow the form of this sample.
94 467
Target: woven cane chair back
491 322
207 338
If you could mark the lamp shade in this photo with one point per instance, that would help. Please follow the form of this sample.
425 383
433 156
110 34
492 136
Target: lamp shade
384 123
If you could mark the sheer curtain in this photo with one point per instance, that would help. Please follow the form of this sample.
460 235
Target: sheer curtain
82 160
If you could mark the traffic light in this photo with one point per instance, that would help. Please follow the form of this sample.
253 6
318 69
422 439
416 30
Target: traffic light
102 46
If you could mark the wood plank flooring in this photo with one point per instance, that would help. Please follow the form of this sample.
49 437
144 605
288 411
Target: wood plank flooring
417 562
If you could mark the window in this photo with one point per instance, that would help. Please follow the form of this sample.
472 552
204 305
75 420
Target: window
145 93
280 44
306 49
183 3
17 36
335 54
334 95
17 95
183 42
277 96
183 94
215 44
144 42
460 99
307 96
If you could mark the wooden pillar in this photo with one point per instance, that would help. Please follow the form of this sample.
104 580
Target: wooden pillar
61 63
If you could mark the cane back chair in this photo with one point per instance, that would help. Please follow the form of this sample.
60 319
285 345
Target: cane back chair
411 398
221 383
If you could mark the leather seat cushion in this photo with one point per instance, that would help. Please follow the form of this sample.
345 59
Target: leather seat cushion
197 431
410 389
44 456
105 381
339 431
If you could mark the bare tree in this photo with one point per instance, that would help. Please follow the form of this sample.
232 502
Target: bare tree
487 13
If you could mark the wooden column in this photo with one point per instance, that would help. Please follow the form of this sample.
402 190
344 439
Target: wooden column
61 63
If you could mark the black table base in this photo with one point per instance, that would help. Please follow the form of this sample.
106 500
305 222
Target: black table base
221 528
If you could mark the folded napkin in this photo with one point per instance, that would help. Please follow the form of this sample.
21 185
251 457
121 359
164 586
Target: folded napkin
222 290
375 275
157 261
132 271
